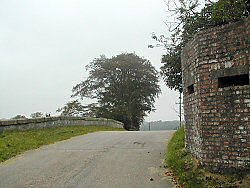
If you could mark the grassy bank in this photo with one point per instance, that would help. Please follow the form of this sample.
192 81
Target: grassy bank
190 174
13 143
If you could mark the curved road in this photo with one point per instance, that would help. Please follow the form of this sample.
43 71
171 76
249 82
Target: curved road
96 160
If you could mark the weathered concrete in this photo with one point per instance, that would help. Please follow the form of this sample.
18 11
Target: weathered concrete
40 123
97 160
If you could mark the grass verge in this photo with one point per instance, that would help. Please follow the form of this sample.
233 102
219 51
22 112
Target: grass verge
188 172
15 142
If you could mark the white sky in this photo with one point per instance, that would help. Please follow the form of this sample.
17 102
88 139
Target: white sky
46 44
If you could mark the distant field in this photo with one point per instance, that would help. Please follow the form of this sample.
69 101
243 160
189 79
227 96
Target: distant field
15 142
160 125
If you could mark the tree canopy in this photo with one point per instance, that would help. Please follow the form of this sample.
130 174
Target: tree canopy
125 87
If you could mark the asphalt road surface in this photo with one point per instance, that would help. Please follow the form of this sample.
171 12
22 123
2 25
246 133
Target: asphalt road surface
96 160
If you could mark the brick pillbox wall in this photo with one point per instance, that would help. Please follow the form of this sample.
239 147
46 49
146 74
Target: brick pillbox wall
215 66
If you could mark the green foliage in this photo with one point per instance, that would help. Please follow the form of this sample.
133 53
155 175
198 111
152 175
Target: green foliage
36 115
190 20
190 174
13 143
74 109
181 162
125 87
226 11
171 70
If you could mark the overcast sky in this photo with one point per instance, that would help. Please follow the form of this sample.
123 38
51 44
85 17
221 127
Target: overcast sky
45 45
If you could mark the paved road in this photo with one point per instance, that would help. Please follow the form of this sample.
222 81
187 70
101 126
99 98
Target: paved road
96 160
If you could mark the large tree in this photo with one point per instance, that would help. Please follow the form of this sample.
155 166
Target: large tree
125 87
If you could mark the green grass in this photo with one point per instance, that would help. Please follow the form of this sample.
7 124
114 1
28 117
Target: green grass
180 162
190 174
15 142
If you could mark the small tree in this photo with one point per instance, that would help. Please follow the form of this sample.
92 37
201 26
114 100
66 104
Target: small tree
19 117
73 108
36 115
